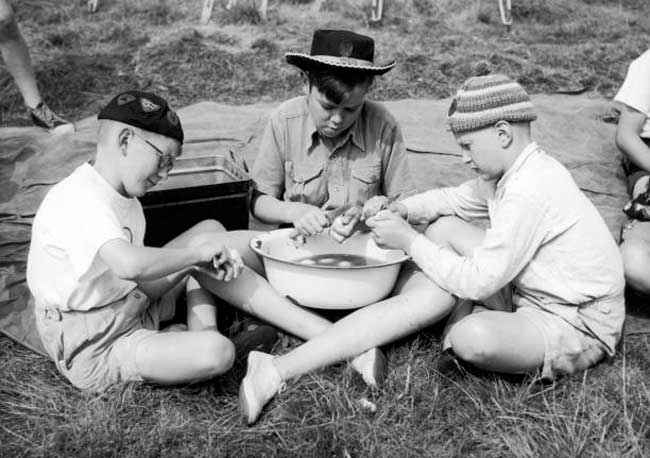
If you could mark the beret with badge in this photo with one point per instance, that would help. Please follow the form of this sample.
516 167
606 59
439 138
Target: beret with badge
146 111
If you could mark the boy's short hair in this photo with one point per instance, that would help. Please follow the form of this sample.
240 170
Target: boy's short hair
483 101
146 111
336 86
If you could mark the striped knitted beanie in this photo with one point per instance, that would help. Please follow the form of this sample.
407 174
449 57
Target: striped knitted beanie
485 100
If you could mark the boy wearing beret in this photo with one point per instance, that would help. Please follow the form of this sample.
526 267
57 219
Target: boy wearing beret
100 295
546 242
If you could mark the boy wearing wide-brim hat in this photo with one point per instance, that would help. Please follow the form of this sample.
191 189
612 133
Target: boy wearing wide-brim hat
332 146
546 240
326 149
100 295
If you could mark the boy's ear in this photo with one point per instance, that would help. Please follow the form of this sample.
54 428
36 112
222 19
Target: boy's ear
504 132
305 83
123 139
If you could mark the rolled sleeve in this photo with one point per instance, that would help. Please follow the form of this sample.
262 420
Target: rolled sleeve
397 180
268 169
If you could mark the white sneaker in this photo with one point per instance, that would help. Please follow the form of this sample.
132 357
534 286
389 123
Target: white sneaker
261 383
372 366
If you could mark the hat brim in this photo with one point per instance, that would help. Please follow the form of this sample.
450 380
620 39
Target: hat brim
307 62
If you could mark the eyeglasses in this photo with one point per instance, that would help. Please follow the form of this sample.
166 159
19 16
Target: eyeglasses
165 161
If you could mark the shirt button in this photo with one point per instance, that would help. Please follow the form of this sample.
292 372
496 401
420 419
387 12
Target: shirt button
335 188
136 295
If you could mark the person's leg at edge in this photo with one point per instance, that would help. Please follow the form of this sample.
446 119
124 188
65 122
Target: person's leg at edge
635 248
19 64
16 56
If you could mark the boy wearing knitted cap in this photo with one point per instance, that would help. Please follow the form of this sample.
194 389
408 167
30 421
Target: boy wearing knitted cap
547 252
100 295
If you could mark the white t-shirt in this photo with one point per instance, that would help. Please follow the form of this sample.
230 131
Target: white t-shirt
635 91
78 216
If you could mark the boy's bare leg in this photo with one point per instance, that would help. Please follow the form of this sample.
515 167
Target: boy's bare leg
417 303
184 357
201 352
498 341
492 340
253 294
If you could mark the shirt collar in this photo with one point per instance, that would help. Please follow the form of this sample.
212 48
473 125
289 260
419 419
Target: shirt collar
356 130
528 151
109 191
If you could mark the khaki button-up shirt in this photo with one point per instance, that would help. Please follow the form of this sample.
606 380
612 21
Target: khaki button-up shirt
294 164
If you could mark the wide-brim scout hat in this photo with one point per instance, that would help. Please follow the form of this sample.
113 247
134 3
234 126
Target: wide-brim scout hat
339 50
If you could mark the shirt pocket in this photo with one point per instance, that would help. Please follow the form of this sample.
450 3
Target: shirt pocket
305 182
365 182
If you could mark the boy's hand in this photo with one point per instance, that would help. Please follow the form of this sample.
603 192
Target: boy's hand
226 261
228 265
311 222
391 231
344 225
373 206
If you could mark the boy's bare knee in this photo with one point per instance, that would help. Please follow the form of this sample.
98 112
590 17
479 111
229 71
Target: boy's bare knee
442 230
216 354
471 341
209 225
636 262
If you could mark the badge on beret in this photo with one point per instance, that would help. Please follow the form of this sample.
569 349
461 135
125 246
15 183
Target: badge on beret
124 99
345 48
148 106
172 118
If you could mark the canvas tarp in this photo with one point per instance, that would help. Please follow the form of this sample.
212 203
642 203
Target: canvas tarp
569 127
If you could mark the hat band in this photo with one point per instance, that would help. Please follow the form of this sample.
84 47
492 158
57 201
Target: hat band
336 60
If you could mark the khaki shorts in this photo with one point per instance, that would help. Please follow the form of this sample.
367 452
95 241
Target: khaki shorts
96 349
567 348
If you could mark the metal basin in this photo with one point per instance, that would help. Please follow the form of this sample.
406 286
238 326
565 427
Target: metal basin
328 286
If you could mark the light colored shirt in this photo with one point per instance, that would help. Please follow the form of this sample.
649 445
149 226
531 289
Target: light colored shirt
635 91
293 164
77 216
545 237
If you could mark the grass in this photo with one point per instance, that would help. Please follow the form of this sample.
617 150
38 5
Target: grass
83 59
